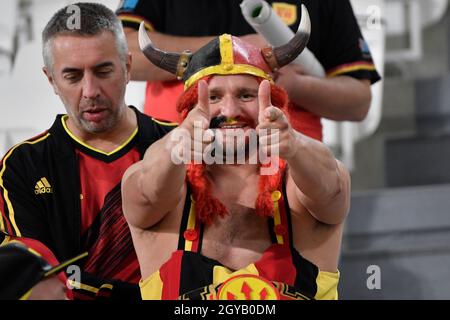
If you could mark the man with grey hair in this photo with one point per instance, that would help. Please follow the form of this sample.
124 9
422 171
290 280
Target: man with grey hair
60 191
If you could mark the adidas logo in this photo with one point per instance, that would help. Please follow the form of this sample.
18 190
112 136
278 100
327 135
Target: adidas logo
42 186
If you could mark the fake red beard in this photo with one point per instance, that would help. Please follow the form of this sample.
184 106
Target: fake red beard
207 206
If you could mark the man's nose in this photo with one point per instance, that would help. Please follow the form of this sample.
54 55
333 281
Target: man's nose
91 86
230 108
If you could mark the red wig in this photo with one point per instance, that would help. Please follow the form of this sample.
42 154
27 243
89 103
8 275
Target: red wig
207 206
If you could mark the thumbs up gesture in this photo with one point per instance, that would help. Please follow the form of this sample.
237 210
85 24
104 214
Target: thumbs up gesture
276 136
201 113
197 125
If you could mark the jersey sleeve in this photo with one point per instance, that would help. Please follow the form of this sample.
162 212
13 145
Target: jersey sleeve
91 287
21 213
132 12
346 51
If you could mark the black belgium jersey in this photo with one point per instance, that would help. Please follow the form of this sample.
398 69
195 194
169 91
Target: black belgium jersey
335 40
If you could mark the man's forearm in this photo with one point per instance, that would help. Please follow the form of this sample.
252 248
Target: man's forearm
313 168
153 186
322 181
142 69
341 98
161 177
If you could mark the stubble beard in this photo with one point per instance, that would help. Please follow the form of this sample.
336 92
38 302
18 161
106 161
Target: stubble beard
108 123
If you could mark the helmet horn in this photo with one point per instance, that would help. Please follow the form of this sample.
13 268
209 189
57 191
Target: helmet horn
175 63
278 57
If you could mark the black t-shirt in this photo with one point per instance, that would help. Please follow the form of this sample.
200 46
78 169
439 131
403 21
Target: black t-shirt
335 39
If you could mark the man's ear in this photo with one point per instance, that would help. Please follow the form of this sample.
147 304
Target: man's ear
50 79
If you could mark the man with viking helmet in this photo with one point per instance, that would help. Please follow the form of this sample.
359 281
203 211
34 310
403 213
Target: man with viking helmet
228 231
336 41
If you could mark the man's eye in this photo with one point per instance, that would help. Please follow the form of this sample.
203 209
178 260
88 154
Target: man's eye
72 77
247 97
104 72
213 98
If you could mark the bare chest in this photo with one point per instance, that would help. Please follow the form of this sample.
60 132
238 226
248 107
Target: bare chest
237 239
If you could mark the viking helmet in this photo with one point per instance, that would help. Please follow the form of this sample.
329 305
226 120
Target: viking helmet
226 55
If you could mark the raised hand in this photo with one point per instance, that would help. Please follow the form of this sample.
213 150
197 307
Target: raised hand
276 136
201 110
197 125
